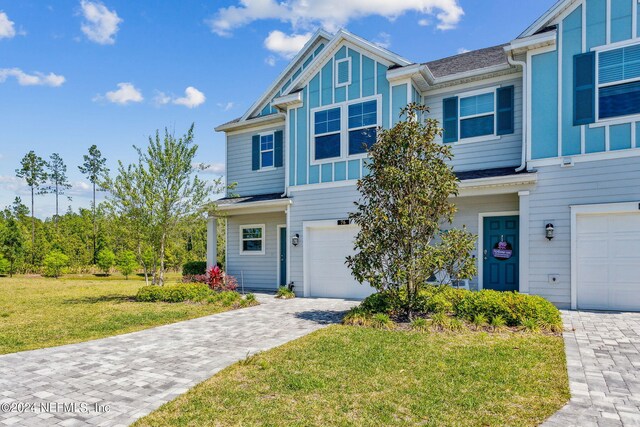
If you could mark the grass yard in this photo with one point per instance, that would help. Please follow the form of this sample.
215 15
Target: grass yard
39 312
342 376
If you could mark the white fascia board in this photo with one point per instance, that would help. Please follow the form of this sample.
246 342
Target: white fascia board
532 42
320 34
549 15
499 181
327 52
258 121
403 73
255 207
291 100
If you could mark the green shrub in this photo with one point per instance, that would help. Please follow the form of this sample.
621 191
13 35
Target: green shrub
127 263
380 302
151 293
497 323
479 320
455 324
530 325
440 321
285 293
186 292
5 266
194 268
381 321
251 299
54 263
105 260
419 324
357 316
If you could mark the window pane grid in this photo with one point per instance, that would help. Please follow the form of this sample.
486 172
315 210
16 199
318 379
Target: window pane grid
252 239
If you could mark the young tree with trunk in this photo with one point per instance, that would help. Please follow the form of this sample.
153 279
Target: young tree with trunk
406 201
58 180
95 169
33 171
11 242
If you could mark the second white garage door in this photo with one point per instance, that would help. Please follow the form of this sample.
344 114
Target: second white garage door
326 250
608 261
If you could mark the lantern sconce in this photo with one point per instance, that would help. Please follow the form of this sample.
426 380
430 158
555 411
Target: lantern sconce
549 231
295 240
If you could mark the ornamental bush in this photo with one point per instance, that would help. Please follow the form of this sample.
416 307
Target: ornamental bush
105 260
54 263
193 268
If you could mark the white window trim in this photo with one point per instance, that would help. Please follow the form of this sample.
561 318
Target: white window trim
263 239
273 150
335 72
482 138
618 119
344 130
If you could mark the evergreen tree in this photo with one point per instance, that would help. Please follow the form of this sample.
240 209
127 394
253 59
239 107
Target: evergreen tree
58 180
95 169
33 171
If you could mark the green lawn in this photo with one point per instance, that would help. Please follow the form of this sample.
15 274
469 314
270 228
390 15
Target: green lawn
343 376
36 312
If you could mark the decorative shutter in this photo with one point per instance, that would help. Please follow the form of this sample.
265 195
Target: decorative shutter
584 88
277 149
505 110
450 119
255 152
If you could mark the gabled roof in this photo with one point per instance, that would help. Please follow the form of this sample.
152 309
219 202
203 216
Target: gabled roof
469 61
544 21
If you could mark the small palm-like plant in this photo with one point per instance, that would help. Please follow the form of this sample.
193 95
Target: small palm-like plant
381 321
455 324
284 292
419 324
479 321
530 325
439 321
497 322
357 317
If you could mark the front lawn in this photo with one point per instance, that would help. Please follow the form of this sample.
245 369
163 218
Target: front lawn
345 375
36 312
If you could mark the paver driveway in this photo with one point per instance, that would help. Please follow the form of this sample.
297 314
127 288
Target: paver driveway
603 359
137 372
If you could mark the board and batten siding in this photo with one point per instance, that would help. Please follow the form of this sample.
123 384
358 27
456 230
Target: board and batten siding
469 209
250 182
586 26
315 205
258 271
503 152
605 181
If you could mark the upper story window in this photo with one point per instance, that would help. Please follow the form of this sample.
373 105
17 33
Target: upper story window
354 122
619 82
266 151
477 115
327 133
252 239
363 120
343 72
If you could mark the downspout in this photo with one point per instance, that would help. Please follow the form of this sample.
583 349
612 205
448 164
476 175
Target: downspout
512 61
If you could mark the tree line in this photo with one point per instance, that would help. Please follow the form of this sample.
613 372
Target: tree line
154 213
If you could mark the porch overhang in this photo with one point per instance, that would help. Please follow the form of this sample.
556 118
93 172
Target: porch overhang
499 184
264 203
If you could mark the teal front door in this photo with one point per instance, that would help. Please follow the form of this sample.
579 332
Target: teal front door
282 280
500 268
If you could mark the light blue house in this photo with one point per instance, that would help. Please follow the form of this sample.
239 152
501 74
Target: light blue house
546 135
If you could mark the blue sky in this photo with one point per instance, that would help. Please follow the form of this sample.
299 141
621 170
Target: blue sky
79 72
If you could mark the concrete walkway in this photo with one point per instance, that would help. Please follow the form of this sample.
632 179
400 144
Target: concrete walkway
114 381
603 360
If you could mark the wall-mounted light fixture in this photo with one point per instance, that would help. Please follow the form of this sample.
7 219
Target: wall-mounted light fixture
295 240
549 231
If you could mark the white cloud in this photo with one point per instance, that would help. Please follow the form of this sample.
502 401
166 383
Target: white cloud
192 98
383 40
270 60
7 29
463 50
330 14
286 45
161 98
101 24
424 22
125 94
225 106
34 79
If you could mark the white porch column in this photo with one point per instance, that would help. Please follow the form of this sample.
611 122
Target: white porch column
524 241
212 241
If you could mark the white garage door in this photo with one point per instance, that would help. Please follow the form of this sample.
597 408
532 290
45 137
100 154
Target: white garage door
608 262
328 276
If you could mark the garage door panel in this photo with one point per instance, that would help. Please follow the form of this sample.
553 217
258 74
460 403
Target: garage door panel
608 261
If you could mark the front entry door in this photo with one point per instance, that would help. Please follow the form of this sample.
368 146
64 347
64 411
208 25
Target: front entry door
500 270
282 280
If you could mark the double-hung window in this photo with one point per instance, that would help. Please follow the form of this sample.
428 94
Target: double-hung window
252 239
363 120
619 82
477 115
327 130
266 151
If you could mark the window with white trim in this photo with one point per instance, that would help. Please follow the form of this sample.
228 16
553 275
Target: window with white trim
477 115
252 239
619 82
363 121
327 129
266 151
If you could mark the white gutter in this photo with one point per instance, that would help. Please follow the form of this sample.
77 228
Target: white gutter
512 61
262 205
271 118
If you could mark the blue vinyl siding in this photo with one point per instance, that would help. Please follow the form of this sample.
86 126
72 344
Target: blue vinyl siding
596 23
340 94
340 171
314 92
621 13
398 102
314 174
571 46
292 147
594 140
354 87
620 137
638 134
383 89
301 145
327 83
354 169
368 76
544 87
327 172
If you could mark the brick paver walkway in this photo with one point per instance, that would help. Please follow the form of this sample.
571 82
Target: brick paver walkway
136 373
603 359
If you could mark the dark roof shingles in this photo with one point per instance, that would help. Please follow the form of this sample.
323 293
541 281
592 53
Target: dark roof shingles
250 199
469 61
